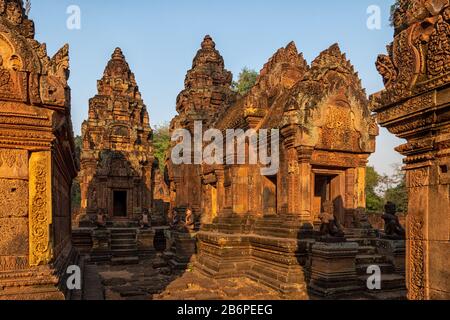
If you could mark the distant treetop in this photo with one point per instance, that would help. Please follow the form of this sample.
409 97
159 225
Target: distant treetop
247 79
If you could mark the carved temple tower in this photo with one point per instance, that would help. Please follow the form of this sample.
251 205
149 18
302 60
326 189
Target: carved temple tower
117 162
415 106
265 226
36 162
207 95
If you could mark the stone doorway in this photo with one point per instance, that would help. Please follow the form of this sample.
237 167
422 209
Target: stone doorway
120 198
322 191
270 195
327 187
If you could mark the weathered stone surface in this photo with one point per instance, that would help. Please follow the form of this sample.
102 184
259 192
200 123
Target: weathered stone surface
117 164
14 239
261 226
415 106
207 95
36 161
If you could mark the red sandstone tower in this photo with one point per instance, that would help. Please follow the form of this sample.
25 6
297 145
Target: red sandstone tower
117 163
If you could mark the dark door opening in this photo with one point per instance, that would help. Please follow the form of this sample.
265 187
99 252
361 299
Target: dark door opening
270 195
322 191
120 204
327 188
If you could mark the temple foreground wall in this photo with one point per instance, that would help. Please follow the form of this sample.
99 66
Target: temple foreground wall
415 106
36 162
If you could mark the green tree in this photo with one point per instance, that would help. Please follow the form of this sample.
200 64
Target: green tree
374 202
247 79
397 191
161 143
76 191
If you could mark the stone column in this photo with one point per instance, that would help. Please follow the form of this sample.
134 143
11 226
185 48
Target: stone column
37 164
293 182
40 211
220 190
361 186
415 106
304 187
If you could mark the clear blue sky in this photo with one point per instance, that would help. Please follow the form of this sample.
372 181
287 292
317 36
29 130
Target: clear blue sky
160 39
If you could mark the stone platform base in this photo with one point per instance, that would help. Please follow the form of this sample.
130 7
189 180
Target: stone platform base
256 249
40 283
283 253
181 248
118 246
333 270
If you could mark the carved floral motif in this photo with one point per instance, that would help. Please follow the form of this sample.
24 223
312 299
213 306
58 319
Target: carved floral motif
417 260
40 209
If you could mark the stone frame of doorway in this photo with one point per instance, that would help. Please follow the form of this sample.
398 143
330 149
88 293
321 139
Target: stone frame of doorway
337 188
128 214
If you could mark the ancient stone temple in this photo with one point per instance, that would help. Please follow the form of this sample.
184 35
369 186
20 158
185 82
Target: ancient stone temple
117 162
266 227
415 106
119 176
207 95
36 162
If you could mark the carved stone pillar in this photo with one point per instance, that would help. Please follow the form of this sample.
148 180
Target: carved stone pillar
361 187
416 106
40 211
304 187
293 182
220 190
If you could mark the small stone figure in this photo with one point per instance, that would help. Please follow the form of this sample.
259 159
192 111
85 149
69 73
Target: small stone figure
361 220
190 219
145 220
392 227
175 219
101 219
330 225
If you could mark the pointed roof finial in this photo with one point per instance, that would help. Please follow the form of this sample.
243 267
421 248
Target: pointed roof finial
118 54
208 43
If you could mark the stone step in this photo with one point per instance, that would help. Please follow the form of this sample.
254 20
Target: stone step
115 232
121 236
374 259
124 252
388 282
123 233
365 242
99 258
123 240
115 261
388 295
124 246
367 250
385 268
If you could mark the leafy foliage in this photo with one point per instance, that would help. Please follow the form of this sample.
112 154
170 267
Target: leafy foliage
76 190
247 79
76 194
397 192
373 201
161 143
381 189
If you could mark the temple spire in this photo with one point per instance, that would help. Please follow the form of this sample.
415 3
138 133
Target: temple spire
208 81
118 69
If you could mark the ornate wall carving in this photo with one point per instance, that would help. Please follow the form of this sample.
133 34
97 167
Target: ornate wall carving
40 211
416 260
414 106
35 134
117 151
